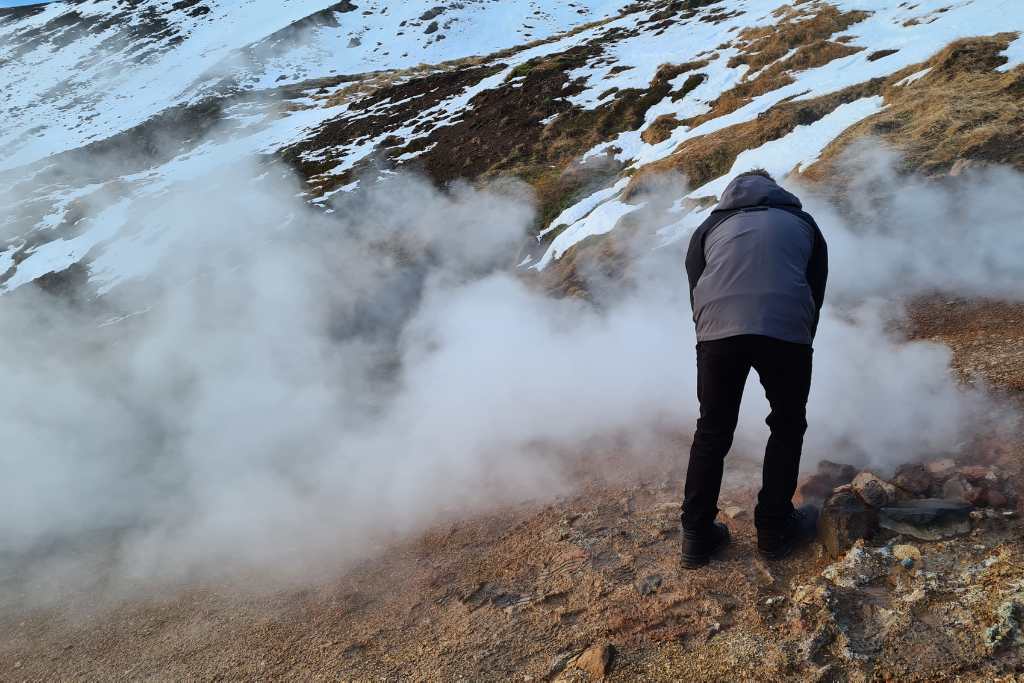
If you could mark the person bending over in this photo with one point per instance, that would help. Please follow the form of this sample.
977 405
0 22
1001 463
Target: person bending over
757 269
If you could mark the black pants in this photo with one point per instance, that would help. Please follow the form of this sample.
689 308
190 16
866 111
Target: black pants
722 368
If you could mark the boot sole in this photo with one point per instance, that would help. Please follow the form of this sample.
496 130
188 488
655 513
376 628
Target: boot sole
787 550
780 554
698 561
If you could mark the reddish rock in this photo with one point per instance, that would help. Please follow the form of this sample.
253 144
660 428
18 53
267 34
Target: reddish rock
914 478
941 469
977 473
980 486
820 485
958 488
596 661
996 498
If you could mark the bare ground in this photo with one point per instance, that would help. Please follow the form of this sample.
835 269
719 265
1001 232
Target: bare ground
519 594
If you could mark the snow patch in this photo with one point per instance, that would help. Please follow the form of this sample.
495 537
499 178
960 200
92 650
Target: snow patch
800 148
598 222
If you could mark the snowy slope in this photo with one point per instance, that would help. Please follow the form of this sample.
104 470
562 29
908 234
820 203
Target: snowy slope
72 74
78 72
887 28
250 129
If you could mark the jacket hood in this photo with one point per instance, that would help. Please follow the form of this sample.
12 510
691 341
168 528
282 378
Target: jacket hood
755 190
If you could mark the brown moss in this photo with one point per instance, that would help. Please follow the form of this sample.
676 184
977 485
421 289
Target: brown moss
660 129
962 109
764 48
763 45
516 144
706 157
879 54
691 82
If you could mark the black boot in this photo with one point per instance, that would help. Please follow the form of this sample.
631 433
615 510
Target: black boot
800 527
699 546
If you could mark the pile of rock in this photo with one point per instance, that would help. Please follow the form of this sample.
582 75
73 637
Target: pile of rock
927 501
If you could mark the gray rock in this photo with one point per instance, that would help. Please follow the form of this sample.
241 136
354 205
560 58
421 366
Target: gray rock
928 519
1007 629
844 520
958 488
432 13
859 566
649 585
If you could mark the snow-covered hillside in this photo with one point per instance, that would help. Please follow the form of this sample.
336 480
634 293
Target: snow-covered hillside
76 72
169 92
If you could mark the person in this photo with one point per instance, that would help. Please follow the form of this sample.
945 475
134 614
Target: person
757 269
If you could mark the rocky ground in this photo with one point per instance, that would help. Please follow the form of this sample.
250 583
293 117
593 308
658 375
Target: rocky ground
984 335
588 587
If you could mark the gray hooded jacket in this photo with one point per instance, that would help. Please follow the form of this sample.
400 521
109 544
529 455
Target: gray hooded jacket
757 265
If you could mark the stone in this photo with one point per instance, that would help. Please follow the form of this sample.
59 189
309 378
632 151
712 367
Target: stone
859 567
914 479
928 519
996 498
977 496
941 469
977 473
649 585
958 488
908 555
1006 631
558 664
734 512
829 475
979 485
810 594
813 647
873 490
844 520
595 660
840 472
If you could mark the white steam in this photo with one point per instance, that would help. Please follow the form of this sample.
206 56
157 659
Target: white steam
299 388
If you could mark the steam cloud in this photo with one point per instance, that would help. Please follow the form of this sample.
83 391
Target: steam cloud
298 389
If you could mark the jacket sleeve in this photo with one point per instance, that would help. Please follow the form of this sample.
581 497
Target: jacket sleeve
695 262
817 271
817 268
